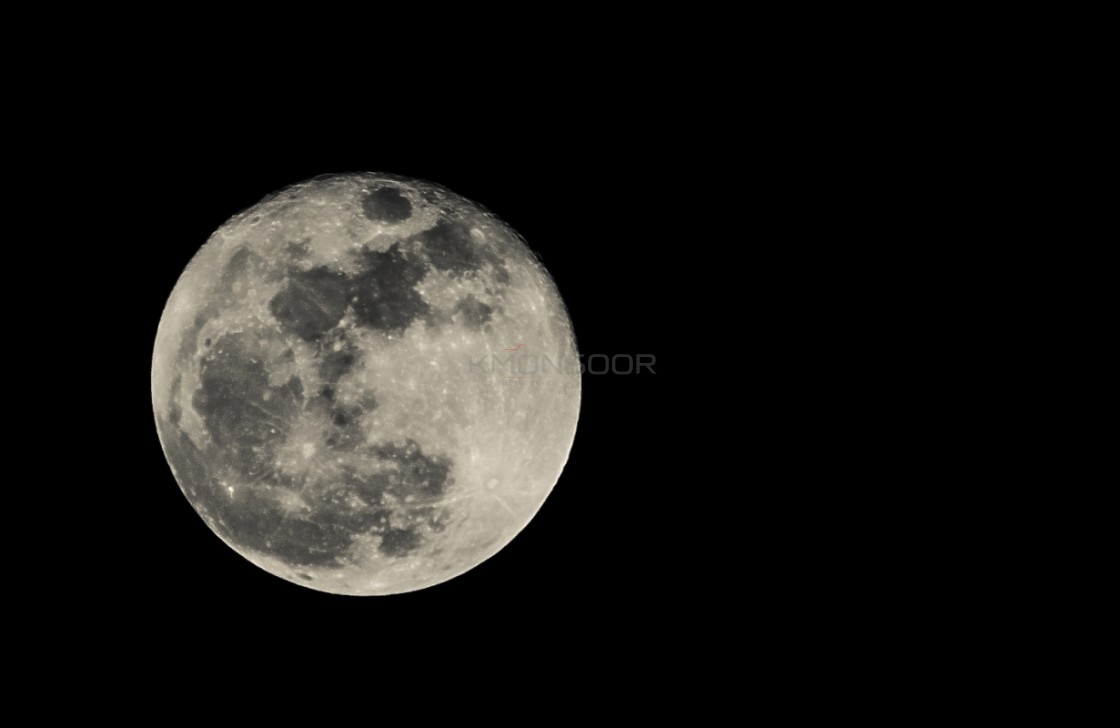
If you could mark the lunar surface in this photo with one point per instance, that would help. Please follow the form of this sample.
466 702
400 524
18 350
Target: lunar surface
365 384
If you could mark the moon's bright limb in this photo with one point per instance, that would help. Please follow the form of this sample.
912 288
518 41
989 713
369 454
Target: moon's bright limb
365 384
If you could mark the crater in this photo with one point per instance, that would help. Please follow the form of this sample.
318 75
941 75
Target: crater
386 204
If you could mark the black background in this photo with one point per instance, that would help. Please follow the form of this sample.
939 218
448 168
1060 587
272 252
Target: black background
702 191
667 176
628 535
654 196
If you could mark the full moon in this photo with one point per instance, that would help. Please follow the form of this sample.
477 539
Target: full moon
365 384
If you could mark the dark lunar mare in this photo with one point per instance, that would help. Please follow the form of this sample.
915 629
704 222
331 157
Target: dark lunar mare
337 357
251 518
312 303
247 419
245 416
450 248
384 293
